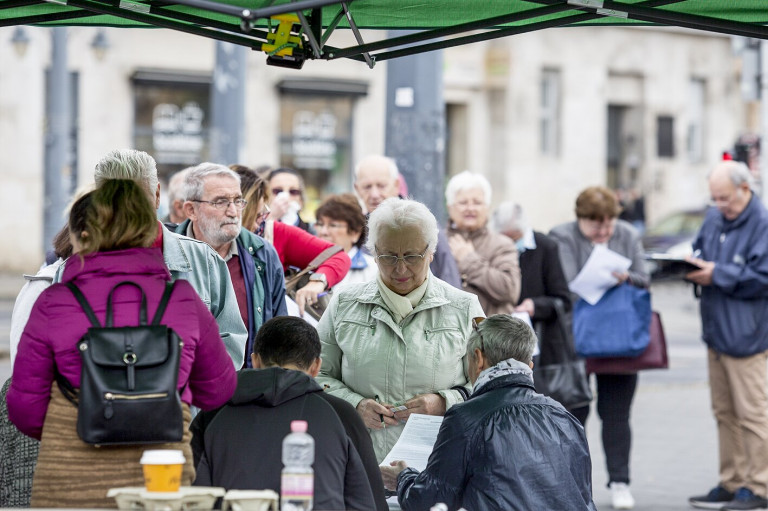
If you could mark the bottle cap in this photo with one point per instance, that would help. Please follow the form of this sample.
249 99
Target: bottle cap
298 426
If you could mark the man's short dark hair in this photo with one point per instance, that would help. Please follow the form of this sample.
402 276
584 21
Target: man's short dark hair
287 340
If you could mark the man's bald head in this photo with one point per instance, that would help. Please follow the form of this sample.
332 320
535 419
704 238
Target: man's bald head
730 185
376 180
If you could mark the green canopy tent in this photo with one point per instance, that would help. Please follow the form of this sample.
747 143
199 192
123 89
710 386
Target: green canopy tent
291 32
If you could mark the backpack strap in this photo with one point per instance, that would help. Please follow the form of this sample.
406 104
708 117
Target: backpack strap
84 304
65 387
169 287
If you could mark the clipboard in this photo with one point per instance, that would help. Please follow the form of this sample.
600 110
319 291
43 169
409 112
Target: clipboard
670 266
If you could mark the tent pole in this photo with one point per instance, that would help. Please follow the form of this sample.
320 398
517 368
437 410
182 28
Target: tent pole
764 121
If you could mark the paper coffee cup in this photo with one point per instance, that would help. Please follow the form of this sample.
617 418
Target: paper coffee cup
162 470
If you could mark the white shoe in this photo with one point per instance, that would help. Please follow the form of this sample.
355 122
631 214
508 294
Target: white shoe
621 496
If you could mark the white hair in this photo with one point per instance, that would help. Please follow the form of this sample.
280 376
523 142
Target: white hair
176 185
467 181
510 216
390 163
738 172
194 182
128 164
395 213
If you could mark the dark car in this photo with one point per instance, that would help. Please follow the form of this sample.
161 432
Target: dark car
673 235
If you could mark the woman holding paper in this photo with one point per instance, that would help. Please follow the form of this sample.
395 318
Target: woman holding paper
597 224
396 345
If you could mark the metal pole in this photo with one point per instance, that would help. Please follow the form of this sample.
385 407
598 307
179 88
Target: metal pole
764 121
57 137
416 125
228 103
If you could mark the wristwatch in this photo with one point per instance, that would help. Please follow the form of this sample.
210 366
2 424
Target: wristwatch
319 277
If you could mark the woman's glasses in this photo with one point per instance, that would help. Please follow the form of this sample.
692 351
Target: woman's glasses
295 192
409 260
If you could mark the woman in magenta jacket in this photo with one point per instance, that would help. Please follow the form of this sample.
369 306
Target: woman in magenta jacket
113 230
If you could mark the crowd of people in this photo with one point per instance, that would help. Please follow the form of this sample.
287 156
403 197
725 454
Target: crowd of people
423 319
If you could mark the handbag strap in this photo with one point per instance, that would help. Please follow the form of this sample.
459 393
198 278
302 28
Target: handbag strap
557 304
314 263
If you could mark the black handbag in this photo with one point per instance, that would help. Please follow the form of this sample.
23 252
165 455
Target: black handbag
128 383
563 377
295 281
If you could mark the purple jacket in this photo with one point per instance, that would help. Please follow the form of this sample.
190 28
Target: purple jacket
57 322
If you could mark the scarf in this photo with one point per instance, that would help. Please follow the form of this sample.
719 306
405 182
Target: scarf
503 368
400 306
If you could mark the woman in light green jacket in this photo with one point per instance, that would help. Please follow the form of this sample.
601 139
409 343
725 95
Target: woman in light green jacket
400 340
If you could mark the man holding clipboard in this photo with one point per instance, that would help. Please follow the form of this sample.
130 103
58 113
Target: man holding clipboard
732 248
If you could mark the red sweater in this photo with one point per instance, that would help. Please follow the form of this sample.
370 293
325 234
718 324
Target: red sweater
297 248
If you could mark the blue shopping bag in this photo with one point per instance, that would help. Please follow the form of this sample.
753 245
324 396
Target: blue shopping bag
616 326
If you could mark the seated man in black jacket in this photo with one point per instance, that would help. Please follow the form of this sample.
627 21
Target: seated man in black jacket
506 448
238 446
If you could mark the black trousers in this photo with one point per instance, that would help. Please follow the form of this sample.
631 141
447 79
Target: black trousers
614 401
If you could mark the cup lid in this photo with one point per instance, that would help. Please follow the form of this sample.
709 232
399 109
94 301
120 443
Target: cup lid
162 457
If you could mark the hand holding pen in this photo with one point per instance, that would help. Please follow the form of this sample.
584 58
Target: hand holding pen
376 415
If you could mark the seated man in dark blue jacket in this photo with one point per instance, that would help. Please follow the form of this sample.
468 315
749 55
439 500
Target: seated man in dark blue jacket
238 446
506 448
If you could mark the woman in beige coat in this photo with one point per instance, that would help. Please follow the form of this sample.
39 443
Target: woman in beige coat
398 341
487 260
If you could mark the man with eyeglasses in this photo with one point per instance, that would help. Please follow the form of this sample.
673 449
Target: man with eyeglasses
376 180
732 251
506 447
214 207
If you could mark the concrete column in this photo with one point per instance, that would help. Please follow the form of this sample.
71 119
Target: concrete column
415 133
228 103
56 137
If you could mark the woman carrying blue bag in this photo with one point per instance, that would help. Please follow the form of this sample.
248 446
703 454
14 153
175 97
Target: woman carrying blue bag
597 211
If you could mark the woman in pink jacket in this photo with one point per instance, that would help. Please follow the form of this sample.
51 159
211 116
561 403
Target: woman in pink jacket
113 231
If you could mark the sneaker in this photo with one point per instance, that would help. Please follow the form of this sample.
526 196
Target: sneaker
715 499
745 499
621 497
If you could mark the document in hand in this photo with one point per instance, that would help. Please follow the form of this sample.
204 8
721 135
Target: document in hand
596 277
416 441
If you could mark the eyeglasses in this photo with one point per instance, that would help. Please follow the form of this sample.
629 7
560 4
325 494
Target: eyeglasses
223 204
263 213
409 260
295 192
330 225
476 327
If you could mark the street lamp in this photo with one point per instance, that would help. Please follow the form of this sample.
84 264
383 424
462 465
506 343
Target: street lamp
100 44
20 41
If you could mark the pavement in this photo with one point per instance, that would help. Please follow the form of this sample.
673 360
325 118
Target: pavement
674 451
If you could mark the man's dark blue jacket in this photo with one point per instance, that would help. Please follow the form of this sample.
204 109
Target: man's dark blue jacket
734 309
507 448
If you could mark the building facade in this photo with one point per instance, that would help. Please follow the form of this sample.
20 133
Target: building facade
542 115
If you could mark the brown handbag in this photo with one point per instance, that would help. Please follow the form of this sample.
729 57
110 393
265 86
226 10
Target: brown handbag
300 279
654 356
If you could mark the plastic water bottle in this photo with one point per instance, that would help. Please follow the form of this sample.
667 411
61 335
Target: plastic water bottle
297 481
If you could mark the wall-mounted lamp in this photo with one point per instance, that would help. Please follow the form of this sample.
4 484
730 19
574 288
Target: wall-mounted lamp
20 41
100 44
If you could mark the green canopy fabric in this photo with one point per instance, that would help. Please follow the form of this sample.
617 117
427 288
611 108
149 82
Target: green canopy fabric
434 24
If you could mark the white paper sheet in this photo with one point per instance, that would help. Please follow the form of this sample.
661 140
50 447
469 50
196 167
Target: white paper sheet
416 441
293 310
595 278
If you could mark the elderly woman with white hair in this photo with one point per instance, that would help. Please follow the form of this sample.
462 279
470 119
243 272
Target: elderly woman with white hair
397 345
487 260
